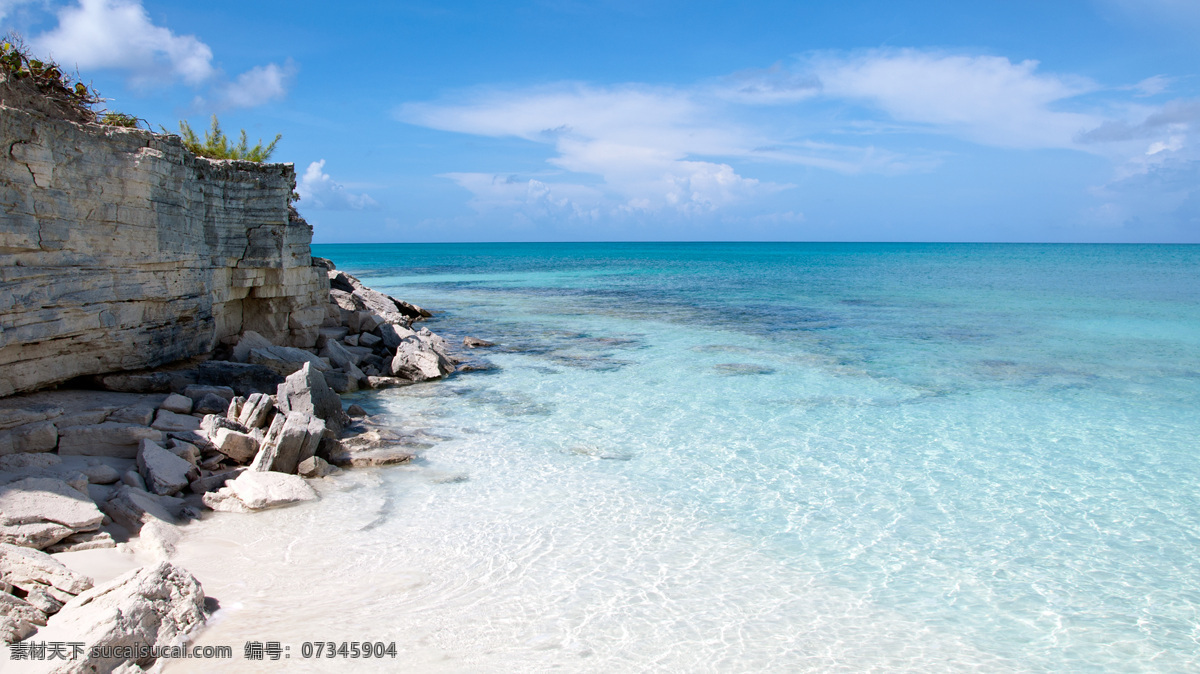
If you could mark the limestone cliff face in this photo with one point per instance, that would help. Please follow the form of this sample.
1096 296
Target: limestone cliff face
121 250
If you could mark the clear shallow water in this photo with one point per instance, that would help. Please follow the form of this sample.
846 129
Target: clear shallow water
736 457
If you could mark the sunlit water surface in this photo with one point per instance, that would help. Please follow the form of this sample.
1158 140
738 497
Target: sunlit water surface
758 457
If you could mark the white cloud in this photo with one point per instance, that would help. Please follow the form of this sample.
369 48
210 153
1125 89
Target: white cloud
630 149
987 99
317 189
119 34
8 6
641 141
259 85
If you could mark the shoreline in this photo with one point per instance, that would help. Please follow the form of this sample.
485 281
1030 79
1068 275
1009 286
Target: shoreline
215 440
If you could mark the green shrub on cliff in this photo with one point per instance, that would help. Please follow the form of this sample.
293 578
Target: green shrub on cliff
216 144
42 84
119 119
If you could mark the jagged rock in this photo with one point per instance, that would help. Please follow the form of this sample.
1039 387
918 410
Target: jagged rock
323 262
439 346
18 618
84 540
223 500
166 420
179 404
211 404
315 466
360 458
262 490
243 378
44 502
147 382
185 450
342 382
72 477
198 392
249 341
386 382
212 423
44 601
368 340
416 361
325 335
163 472
141 415
215 481
392 335
131 507
476 343
285 359
295 441
256 411
27 413
99 493
35 534
240 447
356 410
31 569
40 436
337 354
106 439
365 298
351 340
235 407
19 461
133 479
101 473
157 539
306 391
158 605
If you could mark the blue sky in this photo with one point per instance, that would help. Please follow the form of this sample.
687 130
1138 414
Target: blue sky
1072 120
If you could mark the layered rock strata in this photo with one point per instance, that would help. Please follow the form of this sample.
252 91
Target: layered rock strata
120 250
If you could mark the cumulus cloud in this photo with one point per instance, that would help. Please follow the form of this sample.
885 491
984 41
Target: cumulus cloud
259 85
318 190
119 34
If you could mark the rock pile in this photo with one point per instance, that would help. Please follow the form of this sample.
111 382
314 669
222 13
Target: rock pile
82 469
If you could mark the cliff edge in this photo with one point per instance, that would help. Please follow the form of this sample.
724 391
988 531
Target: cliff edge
121 250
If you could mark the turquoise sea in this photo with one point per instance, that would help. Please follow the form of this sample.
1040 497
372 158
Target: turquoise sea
763 457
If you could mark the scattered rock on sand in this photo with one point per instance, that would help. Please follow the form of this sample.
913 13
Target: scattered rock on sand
315 466
177 403
164 472
37 512
266 489
158 605
110 438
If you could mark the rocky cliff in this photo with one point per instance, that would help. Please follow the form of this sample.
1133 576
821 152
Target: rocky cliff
120 250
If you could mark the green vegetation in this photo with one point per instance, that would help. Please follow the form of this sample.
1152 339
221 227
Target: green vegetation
119 119
216 144
46 76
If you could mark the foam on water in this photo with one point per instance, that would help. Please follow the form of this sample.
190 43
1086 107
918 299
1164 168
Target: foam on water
723 457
